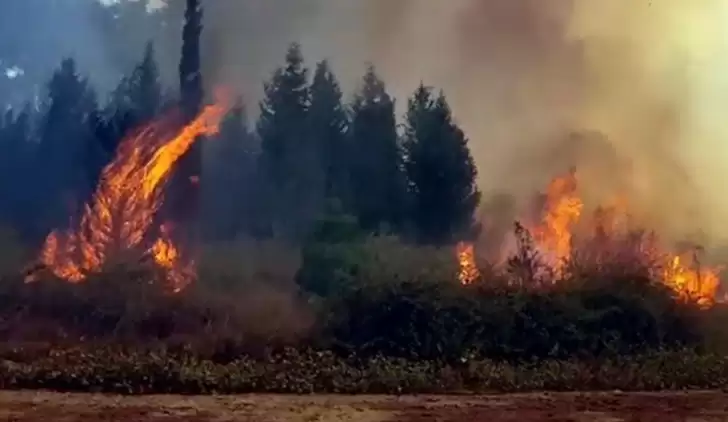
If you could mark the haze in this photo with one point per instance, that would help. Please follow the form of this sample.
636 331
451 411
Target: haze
631 91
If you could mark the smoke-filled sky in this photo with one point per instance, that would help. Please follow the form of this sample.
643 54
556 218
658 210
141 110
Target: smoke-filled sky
633 91
644 83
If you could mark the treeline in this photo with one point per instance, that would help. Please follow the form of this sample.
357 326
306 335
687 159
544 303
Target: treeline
311 153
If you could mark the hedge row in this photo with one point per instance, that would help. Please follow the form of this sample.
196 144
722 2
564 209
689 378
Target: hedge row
430 321
115 371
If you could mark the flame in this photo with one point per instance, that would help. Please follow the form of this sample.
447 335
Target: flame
691 282
121 215
553 236
468 272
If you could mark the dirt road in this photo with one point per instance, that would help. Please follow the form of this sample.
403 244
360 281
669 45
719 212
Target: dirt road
50 407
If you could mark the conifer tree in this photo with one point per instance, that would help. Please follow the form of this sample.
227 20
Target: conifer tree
378 185
440 169
328 129
227 186
190 74
183 196
16 167
66 142
289 160
145 90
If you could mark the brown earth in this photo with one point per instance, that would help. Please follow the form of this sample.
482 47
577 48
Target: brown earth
612 407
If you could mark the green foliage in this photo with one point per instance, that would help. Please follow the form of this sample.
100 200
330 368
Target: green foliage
138 97
190 65
289 161
444 321
228 203
378 184
328 127
333 256
441 171
66 144
303 372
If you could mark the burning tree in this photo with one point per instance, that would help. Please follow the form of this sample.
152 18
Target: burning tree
122 215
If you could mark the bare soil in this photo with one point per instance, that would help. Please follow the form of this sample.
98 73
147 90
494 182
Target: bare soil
611 407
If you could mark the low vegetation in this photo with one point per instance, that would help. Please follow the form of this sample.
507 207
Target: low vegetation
377 327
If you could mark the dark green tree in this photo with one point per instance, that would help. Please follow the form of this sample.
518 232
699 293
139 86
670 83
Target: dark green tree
138 96
328 129
289 159
145 87
67 145
378 184
183 199
230 161
190 74
17 164
440 169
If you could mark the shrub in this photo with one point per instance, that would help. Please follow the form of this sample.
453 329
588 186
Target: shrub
441 321
116 370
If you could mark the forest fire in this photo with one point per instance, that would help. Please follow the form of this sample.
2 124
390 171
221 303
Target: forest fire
122 215
558 239
468 272
562 211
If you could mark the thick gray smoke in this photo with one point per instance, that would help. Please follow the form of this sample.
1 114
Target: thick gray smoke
625 89
629 90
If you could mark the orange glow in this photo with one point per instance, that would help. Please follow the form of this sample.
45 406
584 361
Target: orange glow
468 271
122 214
553 236
691 282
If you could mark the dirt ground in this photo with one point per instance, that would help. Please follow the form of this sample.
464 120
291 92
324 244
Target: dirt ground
612 407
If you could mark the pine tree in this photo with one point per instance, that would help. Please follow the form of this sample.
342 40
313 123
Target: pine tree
16 167
328 129
227 186
440 169
378 186
66 142
190 74
145 87
183 196
289 161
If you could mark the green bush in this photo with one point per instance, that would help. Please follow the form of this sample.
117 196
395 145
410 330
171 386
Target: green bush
442 321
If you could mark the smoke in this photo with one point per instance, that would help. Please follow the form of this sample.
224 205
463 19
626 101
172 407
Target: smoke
628 90
631 91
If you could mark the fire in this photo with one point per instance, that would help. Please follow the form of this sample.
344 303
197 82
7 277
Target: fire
122 214
468 272
554 238
563 208
690 281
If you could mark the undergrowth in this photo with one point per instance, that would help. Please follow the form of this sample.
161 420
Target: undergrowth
302 372
360 323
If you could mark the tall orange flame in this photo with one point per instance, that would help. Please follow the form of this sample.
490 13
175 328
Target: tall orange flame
468 271
562 211
122 212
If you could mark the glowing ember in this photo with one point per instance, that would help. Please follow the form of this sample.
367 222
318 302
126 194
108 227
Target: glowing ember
121 216
468 272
